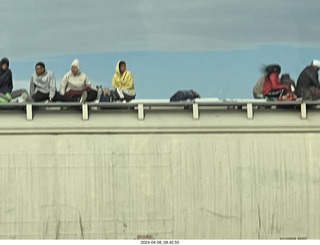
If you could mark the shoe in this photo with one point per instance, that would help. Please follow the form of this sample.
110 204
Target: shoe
24 96
83 98
14 101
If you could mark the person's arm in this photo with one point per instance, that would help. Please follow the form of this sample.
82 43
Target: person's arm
314 78
115 82
52 86
32 87
87 82
275 82
10 81
63 84
128 82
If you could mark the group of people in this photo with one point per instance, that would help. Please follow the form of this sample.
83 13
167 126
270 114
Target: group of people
74 86
271 86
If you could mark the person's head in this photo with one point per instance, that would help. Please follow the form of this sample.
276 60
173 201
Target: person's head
316 64
4 63
273 68
285 77
40 68
122 66
75 67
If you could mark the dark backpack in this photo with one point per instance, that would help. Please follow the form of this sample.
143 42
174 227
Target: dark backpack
184 95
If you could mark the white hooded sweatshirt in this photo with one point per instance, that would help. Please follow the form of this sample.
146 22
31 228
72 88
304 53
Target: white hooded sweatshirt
74 82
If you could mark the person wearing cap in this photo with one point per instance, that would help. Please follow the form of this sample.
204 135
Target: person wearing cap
272 86
122 82
76 84
6 84
308 86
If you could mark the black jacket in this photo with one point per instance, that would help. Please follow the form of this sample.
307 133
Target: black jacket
5 78
307 78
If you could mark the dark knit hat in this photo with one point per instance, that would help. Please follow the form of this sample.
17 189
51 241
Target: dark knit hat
273 68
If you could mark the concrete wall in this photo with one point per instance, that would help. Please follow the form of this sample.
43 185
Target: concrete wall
164 185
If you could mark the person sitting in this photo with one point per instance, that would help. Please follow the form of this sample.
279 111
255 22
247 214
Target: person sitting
42 84
272 88
76 85
122 82
6 84
286 79
308 86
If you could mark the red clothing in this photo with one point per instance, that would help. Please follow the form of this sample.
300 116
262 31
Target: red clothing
273 83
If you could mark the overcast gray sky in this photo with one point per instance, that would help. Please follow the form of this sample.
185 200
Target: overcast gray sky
55 27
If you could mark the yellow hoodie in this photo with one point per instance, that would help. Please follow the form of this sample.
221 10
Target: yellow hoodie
124 81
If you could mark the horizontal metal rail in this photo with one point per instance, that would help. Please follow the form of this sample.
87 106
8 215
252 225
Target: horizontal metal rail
141 105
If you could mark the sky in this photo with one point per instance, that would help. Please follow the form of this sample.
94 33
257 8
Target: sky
215 47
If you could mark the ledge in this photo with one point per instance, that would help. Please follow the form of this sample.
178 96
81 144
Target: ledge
150 116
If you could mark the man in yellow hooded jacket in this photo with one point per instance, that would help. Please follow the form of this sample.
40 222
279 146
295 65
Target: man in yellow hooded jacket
122 82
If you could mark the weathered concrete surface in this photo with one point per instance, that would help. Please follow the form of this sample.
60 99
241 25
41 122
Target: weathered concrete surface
209 179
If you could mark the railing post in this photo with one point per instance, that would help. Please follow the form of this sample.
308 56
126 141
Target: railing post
140 112
303 107
29 112
195 111
249 111
85 114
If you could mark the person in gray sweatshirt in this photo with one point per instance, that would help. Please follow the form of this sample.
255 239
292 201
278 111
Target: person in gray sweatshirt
42 84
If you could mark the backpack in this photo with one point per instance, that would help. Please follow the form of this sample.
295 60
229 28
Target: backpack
258 87
184 95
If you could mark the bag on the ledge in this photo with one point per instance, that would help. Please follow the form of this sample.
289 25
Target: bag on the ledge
184 95
287 97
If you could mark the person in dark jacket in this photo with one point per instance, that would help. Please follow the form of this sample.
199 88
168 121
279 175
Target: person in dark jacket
308 86
6 85
5 76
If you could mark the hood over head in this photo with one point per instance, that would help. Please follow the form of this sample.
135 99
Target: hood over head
75 63
118 66
4 60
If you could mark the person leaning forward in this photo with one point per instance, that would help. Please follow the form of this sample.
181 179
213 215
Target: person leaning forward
308 86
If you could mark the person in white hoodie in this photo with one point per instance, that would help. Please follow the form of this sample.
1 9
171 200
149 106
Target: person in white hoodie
76 84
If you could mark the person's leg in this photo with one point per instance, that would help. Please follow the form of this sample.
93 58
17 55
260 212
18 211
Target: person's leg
38 96
128 97
64 98
276 93
125 94
17 93
4 98
114 96
91 95
21 92
105 98
315 92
